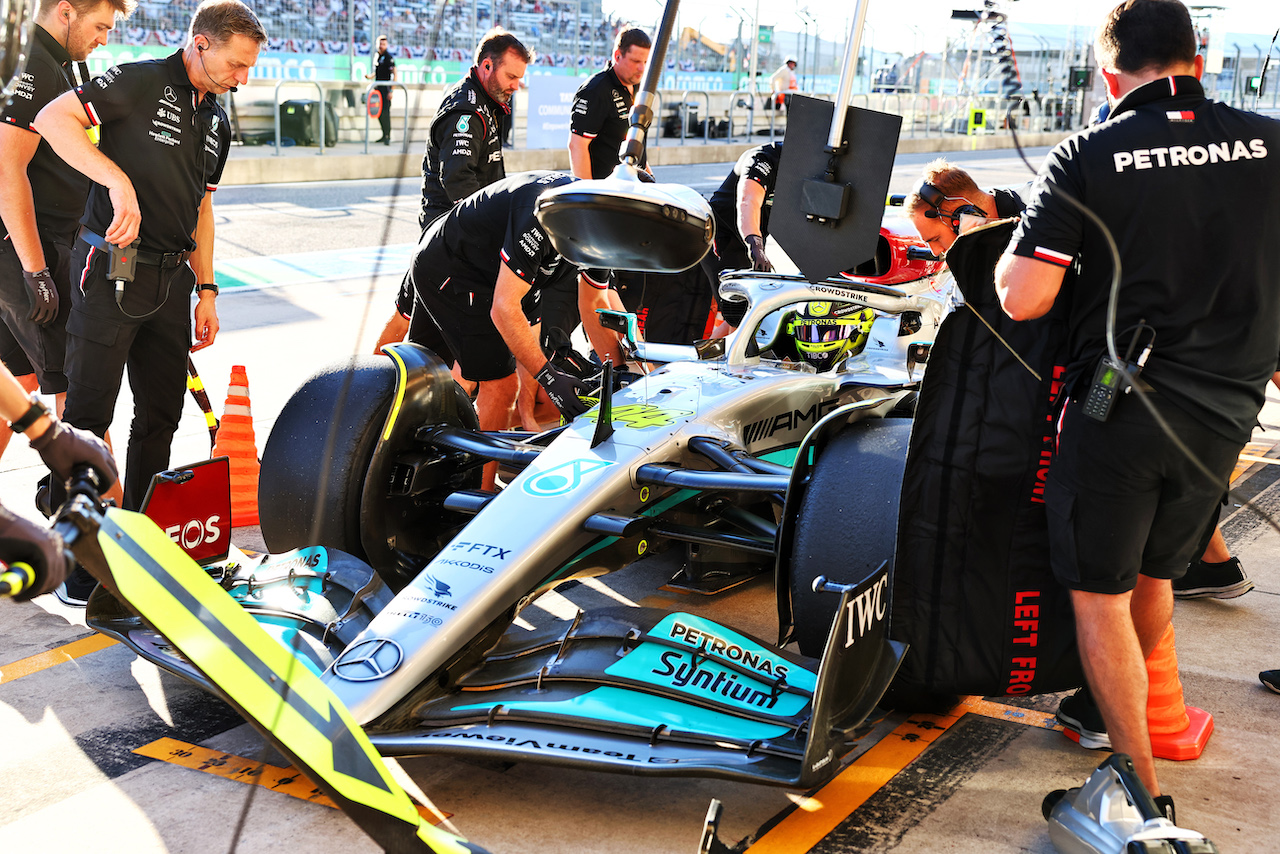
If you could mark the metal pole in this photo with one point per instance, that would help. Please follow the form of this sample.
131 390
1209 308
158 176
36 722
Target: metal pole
755 46
351 38
835 139
475 22
642 110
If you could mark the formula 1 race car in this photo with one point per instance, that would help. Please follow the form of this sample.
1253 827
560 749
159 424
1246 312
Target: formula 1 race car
399 581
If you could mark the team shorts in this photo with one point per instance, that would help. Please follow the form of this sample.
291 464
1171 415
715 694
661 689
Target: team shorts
1122 500
462 316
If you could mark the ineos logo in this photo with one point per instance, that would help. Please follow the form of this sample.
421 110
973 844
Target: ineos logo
195 533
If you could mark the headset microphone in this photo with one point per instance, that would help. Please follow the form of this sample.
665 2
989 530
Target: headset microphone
200 48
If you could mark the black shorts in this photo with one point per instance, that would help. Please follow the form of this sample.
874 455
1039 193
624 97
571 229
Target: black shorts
462 317
1122 500
45 347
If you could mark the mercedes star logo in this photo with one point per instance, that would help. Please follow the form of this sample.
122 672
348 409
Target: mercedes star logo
369 660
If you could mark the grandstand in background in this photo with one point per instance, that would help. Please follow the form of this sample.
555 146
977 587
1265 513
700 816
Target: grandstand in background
564 33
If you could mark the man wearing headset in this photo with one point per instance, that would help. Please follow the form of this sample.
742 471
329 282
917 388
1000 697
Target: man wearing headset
946 201
164 141
1175 179
41 199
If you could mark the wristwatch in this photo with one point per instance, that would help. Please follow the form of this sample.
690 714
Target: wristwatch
207 286
32 415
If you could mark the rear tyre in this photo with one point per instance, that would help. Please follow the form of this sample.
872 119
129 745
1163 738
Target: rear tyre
848 520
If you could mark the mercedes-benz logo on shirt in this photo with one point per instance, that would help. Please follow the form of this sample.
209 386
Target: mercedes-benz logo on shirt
169 95
369 660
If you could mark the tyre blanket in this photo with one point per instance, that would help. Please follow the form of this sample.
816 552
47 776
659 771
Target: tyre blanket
973 592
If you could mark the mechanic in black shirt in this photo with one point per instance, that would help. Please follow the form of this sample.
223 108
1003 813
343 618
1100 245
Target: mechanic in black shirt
600 120
384 68
164 141
742 208
464 154
946 201
41 198
1178 180
480 271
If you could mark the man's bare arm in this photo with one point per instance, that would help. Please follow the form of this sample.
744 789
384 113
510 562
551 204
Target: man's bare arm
579 156
17 205
1026 287
62 123
508 317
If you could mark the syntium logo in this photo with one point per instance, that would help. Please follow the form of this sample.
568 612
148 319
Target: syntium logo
723 682
792 419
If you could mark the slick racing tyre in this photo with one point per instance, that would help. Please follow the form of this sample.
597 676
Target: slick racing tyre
848 520
312 482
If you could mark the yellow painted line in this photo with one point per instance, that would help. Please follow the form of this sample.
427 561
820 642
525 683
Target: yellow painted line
819 814
1250 454
289 781
61 655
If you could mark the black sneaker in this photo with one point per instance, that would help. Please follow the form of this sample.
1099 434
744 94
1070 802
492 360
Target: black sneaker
76 589
1270 679
1079 713
1224 580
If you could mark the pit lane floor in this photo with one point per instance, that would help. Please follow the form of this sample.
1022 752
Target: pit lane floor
74 710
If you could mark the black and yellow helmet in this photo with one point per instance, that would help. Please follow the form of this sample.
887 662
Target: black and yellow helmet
825 333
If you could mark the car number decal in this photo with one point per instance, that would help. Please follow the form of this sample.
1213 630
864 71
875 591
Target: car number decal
641 416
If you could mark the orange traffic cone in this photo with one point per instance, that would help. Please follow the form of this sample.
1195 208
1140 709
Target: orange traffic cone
1178 731
235 440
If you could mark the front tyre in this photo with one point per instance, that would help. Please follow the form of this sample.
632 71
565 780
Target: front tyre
847 523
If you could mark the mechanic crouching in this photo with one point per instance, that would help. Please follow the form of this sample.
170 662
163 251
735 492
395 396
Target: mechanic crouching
481 270
1174 177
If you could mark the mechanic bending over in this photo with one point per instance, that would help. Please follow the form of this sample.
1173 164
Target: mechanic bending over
480 270
63 450
946 202
164 141
464 154
741 206
41 198
1175 177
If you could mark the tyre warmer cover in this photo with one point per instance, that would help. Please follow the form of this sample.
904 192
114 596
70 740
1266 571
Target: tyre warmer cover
973 592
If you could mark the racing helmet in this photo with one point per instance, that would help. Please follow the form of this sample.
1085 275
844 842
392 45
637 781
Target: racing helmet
824 333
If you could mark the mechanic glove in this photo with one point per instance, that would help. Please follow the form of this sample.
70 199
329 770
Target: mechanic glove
42 296
64 448
759 260
42 548
563 391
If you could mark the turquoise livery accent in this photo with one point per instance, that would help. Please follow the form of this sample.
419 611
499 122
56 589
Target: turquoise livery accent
628 707
715 641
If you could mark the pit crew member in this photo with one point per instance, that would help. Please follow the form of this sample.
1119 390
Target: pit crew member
164 140
41 198
741 206
1175 178
464 154
480 271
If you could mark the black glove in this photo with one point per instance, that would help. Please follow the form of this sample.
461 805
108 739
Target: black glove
64 448
563 391
42 548
42 296
759 260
